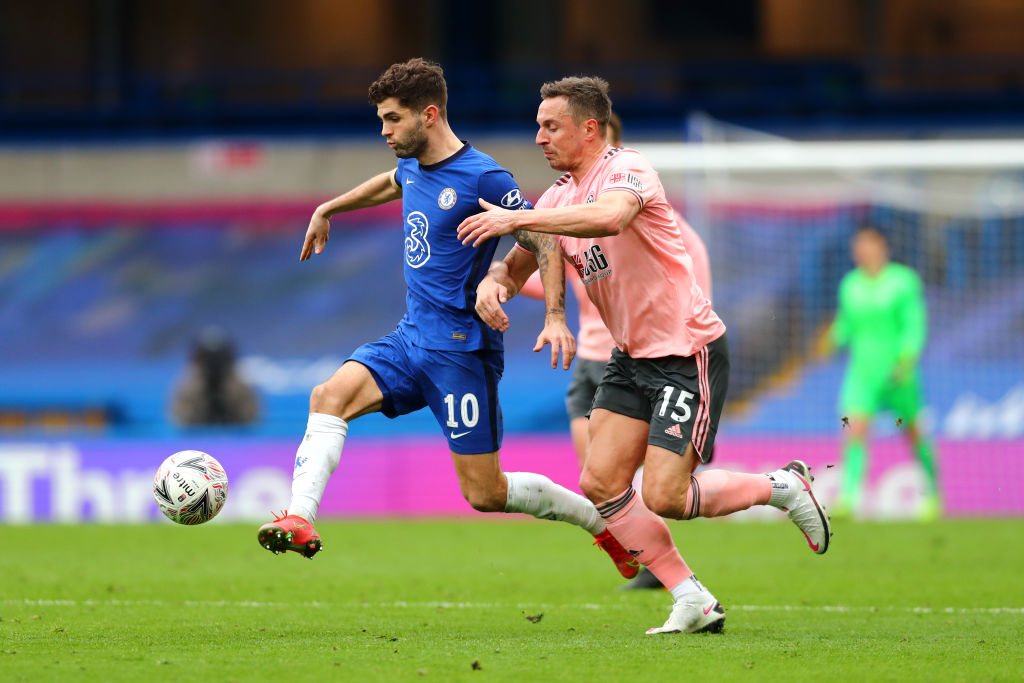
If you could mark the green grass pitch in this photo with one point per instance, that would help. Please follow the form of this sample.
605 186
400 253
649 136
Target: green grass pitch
477 600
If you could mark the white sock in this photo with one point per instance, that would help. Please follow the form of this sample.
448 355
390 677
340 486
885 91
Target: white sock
688 586
537 495
781 489
315 460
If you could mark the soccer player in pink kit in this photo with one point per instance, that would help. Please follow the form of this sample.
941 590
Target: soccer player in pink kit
594 343
663 390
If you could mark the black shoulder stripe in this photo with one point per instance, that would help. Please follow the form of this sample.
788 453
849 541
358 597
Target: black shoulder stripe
563 180
612 152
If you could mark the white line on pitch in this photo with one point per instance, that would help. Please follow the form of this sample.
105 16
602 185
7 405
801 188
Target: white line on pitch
401 604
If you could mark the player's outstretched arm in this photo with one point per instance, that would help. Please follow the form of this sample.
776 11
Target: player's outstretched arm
379 189
609 215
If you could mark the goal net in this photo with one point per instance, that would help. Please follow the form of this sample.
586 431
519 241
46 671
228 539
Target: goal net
777 217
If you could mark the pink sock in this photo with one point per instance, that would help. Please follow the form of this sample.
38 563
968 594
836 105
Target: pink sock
720 492
645 534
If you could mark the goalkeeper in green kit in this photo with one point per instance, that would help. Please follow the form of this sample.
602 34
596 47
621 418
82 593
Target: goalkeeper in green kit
882 318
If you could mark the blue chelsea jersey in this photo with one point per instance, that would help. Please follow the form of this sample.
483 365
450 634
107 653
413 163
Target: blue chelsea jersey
440 273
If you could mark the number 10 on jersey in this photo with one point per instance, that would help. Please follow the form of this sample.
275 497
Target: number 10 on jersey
469 410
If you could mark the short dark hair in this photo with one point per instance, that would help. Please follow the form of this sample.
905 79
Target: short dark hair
587 96
416 84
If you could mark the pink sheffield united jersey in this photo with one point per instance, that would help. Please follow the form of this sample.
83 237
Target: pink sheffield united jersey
593 342
641 280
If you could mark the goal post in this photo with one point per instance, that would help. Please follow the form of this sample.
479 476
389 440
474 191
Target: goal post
844 155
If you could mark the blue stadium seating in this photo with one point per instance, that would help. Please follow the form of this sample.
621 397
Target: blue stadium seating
103 315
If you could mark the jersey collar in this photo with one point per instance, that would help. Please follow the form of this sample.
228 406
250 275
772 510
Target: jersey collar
597 160
444 162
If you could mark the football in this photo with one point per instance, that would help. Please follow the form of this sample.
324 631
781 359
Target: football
190 487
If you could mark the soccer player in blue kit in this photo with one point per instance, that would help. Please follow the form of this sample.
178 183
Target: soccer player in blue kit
441 356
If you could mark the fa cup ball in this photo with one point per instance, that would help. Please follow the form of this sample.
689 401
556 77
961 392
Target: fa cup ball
190 487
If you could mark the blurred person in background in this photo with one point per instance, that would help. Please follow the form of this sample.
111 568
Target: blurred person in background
882 318
594 343
211 390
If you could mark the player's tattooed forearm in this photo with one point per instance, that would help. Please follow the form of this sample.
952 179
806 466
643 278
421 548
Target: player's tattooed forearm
561 302
548 252
546 243
525 238
542 261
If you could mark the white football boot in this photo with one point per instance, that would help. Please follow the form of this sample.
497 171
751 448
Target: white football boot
696 612
803 507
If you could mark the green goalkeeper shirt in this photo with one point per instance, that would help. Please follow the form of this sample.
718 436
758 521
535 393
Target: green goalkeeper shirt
882 319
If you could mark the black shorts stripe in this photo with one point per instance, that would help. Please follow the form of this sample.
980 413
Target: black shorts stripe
492 402
695 498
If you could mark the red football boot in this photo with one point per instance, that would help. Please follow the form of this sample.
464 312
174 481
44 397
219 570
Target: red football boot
290 532
627 565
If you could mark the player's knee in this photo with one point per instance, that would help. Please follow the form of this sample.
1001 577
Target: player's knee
319 399
663 505
663 501
596 488
484 497
484 500
330 398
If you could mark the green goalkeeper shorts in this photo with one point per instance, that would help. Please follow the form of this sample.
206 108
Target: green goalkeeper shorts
863 396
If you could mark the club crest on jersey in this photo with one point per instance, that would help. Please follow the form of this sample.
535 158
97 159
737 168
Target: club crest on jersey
417 248
447 198
590 198
512 199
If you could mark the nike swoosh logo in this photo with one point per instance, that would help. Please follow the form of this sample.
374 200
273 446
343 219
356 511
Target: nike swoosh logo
710 607
460 434
409 181
814 546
